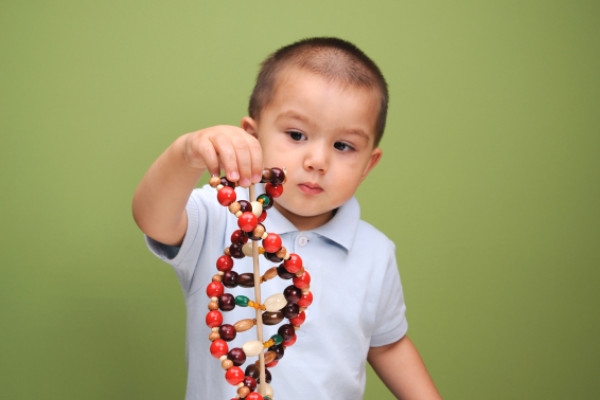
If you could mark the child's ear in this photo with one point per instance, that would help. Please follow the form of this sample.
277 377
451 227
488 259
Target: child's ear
373 160
250 126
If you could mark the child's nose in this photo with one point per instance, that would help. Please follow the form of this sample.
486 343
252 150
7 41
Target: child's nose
317 158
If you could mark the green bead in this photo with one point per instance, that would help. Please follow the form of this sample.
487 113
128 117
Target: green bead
242 301
266 200
278 339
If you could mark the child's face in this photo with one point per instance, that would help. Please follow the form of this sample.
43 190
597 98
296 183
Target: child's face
323 134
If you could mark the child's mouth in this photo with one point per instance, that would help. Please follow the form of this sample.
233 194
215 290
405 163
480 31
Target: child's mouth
310 188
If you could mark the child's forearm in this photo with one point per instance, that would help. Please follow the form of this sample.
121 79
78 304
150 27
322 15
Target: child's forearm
160 198
401 368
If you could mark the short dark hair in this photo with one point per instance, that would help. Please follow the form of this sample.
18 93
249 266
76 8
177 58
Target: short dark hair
330 57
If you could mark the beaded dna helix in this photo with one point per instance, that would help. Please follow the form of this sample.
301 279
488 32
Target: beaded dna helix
253 383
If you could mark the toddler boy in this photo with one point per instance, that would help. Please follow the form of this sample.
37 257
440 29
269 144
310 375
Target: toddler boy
318 109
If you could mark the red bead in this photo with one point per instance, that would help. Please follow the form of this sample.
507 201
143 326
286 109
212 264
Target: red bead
272 364
247 222
274 190
214 319
254 396
299 320
215 289
234 375
272 243
262 217
224 263
218 348
290 342
293 264
303 281
238 237
226 196
306 300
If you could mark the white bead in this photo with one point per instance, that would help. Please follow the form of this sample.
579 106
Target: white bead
257 208
268 390
247 249
275 302
252 348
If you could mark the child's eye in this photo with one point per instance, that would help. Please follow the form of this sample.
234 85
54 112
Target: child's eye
343 146
296 136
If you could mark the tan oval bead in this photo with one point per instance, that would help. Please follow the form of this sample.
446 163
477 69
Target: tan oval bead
226 364
213 305
247 249
234 207
252 348
214 336
275 302
268 390
217 278
243 392
244 324
270 274
270 356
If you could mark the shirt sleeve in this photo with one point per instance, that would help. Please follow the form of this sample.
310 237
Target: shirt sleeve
391 324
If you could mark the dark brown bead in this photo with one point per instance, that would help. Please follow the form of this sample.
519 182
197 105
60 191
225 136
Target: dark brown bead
291 311
230 279
278 176
226 182
237 355
283 273
278 349
287 332
227 332
227 302
250 382
253 371
246 280
292 294
267 175
273 257
245 206
235 250
272 317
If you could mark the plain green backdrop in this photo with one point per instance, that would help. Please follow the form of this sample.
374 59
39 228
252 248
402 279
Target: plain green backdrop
489 183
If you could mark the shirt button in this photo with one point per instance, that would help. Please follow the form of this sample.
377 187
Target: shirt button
302 241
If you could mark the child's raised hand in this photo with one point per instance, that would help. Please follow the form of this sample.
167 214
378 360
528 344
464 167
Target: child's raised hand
227 148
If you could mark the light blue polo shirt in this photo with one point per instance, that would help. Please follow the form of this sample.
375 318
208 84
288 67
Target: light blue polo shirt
358 300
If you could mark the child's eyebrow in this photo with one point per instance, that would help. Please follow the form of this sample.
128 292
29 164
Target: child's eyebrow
291 114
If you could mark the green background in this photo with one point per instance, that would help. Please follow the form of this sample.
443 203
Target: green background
489 183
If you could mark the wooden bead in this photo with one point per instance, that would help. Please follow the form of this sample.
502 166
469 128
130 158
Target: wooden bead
257 208
217 277
226 364
252 348
234 207
214 181
213 305
272 318
270 356
275 302
270 274
214 336
244 324
247 249
243 392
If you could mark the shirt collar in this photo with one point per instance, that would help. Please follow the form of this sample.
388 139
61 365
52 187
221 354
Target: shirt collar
341 229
